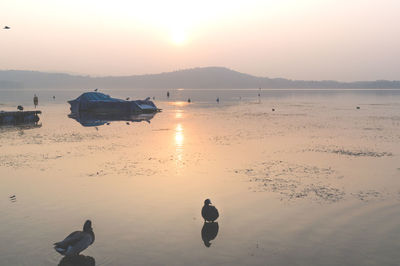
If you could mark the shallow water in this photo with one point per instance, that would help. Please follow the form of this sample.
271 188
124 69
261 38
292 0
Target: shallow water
315 182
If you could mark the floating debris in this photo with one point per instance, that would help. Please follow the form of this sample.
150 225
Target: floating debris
355 153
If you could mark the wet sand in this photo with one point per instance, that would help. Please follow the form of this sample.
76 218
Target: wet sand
315 182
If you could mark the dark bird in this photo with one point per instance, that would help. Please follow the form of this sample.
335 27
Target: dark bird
77 241
20 107
218 100
13 198
209 212
35 100
189 101
80 260
96 89
168 94
127 98
209 232
6 28
273 109
127 123
108 123
358 107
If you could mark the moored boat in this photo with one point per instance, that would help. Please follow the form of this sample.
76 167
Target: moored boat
98 102
19 117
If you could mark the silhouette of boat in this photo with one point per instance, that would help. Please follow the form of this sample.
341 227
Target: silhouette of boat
90 119
101 103
19 117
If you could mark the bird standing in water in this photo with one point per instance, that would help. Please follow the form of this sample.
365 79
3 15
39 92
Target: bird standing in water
35 100
209 212
77 241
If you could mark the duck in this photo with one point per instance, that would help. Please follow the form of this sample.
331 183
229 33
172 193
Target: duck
209 212
77 241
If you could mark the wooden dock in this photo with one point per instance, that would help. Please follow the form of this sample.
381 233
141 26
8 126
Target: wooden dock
19 117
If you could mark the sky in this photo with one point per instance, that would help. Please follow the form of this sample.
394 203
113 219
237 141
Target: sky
344 40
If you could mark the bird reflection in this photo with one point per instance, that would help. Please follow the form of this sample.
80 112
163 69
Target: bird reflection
79 260
209 232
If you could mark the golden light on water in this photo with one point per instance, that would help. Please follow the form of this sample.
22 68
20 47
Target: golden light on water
179 139
179 103
179 114
179 136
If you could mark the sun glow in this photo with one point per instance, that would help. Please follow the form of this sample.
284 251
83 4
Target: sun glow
178 36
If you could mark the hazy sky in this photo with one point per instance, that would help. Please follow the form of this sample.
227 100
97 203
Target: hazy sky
300 39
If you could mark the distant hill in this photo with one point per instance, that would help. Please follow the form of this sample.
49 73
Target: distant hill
199 78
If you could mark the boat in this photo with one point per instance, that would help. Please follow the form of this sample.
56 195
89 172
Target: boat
19 117
100 103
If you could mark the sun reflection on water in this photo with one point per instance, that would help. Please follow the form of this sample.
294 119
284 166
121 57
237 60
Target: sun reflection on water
179 103
179 114
179 139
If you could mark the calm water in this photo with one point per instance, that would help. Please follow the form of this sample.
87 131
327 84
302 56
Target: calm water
316 182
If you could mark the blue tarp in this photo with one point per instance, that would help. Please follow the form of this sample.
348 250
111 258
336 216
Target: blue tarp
102 103
97 96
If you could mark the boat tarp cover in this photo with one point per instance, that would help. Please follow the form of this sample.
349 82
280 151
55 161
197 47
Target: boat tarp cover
96 96
98 100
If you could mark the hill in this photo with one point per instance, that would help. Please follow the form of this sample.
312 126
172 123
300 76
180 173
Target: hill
199 78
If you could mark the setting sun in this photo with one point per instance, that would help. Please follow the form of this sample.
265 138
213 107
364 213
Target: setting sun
178 36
